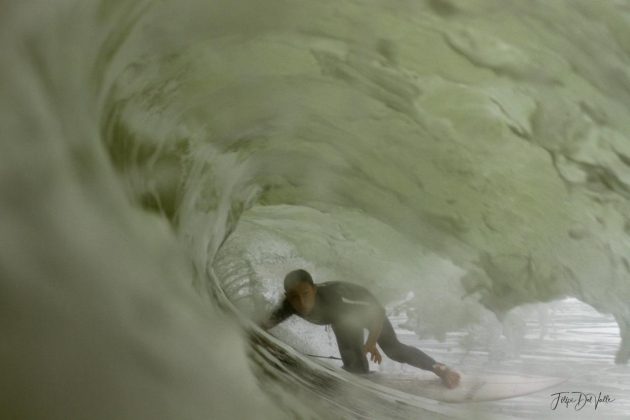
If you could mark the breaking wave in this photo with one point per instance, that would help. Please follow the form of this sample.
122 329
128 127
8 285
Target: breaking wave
165 163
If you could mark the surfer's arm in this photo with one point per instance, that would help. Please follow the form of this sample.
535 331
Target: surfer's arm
375 326
281 313
368 308
376 318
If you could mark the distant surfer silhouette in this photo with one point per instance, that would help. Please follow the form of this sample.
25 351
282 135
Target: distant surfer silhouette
349 309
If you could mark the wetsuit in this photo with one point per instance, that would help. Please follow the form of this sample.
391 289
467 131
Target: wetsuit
350 308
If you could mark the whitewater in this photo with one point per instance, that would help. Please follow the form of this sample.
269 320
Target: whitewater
163 164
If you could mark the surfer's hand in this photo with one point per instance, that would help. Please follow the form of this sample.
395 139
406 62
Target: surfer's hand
375 355
449 377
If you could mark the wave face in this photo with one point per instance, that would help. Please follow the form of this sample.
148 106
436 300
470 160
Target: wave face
166 162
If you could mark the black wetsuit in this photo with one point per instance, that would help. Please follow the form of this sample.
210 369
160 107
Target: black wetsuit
349 308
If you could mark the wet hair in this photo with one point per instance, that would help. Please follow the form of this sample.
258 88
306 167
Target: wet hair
295 277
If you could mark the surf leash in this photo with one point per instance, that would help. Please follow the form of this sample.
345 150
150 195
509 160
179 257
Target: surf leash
322 357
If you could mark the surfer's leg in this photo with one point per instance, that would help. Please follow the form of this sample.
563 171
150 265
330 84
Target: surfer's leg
400 352
350 342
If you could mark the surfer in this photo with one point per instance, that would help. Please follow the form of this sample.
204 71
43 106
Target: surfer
349 309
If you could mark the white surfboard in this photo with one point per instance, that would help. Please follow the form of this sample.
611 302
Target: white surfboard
472 387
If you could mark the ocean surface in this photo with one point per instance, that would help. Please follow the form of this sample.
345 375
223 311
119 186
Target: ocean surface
164 164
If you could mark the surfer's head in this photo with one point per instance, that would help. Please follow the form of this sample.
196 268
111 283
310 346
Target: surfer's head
300 291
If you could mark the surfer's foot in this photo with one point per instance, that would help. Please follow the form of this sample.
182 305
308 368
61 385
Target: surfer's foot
449 377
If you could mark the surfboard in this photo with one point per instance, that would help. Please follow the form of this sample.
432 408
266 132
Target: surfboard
472 387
